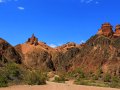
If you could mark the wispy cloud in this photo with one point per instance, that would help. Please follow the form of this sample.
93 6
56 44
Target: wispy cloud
21 8
1 1
89 1
53 45
82 41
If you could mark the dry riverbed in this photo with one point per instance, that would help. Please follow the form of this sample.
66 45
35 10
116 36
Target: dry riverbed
56 86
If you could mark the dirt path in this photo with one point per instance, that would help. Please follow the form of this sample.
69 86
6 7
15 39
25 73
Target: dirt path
56 86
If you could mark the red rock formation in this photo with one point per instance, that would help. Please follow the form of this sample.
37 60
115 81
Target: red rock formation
33 40
117 31
106 30
8 53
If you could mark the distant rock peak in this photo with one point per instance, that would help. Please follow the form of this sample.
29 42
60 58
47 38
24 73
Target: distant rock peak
107 30
33 40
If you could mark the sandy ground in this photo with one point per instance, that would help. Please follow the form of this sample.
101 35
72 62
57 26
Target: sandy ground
56 86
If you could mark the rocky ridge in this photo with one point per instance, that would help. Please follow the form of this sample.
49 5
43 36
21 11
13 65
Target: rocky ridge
101 51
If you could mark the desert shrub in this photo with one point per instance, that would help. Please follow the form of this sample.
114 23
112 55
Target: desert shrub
79 73
107 78
76 74
99 73
35 78
95 77
13 72
10 74
115 82
82 82
3 81
59 79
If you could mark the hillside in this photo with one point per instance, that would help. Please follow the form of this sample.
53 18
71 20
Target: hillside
101 51
97 61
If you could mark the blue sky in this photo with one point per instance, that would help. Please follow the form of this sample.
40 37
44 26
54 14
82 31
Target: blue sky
55 21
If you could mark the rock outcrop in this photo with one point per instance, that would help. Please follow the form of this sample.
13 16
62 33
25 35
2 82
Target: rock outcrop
35 55
33 40
8 53
106 30
117 31
99 53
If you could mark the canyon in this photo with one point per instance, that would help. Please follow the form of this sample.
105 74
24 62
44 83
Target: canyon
101 51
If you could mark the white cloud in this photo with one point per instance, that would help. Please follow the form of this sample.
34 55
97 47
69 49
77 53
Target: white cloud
53 45
89 1
82 41
21 8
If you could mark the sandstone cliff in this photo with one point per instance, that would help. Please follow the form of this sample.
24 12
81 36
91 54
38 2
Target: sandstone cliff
8 53
101 51
35 54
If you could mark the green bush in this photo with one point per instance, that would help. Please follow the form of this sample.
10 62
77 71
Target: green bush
13 73
79 73
99 73
60 79
81 82
95 77
115 82
76 74
35 78
107 78
3 81
10 74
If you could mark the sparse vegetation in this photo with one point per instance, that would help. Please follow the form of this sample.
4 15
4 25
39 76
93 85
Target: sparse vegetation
12 74
35 78
115 82
78 73
107 77
94 79
3 81
59 79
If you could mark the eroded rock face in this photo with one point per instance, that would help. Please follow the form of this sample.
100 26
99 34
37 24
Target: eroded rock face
117 31
106 30
101 51
35 55
8 53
